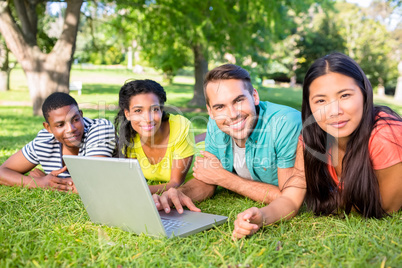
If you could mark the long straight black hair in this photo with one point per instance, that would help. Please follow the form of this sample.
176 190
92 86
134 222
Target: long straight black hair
124 130
359 187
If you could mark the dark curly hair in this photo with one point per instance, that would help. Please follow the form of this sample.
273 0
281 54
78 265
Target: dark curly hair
124 130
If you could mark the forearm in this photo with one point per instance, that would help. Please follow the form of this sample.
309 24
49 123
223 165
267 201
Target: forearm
257 191
160 188
12 178
197 190
281 208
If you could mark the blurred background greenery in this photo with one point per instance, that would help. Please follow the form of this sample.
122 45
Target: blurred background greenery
275 40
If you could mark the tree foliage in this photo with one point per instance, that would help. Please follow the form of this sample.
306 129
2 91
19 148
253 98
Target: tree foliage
46 72
245 29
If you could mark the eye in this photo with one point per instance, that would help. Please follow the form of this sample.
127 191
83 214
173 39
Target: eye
239 100
59 125
137 111
156 109
320 101
219 107
346 95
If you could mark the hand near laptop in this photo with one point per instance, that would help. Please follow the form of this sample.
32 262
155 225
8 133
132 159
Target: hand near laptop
208 168
52 181
176 198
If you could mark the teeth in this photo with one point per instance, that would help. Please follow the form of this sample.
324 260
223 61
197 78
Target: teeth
237 124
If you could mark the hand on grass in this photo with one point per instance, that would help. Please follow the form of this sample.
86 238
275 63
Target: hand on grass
247 223
176 198
52 181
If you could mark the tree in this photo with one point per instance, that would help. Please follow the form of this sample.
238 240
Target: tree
5 66
315 43
368 42
388 12
245 29
46 72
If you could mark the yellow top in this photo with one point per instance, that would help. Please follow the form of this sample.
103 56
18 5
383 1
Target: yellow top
181 145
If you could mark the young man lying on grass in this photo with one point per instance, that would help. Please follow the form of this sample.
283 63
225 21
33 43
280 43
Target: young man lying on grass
66 132
250 145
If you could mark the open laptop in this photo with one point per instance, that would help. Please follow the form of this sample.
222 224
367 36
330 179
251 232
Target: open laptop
115 193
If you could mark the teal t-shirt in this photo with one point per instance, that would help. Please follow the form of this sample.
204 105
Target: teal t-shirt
270 146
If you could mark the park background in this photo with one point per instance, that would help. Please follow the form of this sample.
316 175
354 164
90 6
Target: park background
175 43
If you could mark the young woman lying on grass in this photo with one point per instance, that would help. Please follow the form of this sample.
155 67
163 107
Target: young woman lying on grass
162 143
349 156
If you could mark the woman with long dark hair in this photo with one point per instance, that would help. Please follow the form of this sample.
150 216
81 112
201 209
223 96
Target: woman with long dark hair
162 143
349 156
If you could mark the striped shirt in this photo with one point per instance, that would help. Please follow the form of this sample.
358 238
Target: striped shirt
98 139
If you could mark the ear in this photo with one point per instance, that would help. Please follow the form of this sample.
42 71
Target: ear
47 127
81 113
210 112
256 97
127 115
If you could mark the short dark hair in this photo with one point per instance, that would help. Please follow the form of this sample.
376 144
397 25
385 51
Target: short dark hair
226 72
55 101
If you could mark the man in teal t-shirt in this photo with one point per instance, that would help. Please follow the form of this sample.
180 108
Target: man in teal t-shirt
250 145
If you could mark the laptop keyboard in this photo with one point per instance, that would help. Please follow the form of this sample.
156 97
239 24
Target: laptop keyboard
171 224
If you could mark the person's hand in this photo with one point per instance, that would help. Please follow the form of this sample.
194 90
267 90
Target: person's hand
37 173
52 181
174 197
207 168
247 223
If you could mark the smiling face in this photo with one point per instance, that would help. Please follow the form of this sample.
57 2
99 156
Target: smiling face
67 125
336 102
233 108
145 114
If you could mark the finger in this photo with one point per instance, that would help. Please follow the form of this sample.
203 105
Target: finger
61 181
174 198
207 154
155 197
189 204
59 171
164 203
61 187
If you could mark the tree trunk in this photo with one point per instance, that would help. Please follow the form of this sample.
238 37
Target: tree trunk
46 73
4 67
4 81
398 90
200 69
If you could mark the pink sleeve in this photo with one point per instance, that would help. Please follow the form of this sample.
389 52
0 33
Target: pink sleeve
385 145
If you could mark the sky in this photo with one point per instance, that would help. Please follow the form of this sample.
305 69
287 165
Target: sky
363 3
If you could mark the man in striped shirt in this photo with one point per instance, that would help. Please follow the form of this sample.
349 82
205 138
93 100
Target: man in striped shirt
66 132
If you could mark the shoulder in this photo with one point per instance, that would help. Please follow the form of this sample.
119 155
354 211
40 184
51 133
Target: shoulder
97 124
385 144
386 127
178 120
273 114
179 125
270 110
44 136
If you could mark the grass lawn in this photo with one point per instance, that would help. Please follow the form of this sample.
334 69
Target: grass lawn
46 228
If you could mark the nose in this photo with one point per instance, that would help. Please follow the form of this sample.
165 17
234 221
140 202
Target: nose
70 127
233 112
333 109
148 117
